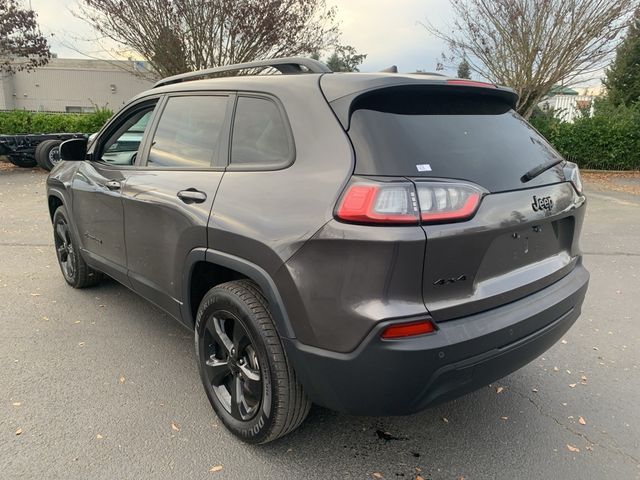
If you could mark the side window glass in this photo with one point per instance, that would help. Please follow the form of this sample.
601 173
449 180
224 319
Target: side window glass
260 134
188 132
121 148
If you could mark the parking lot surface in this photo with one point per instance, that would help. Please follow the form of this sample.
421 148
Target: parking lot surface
100 384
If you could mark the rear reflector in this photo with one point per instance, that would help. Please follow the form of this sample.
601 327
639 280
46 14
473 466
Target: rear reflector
379 203
447 202
402 330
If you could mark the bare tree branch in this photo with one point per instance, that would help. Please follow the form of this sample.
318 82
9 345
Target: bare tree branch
532 45
175 36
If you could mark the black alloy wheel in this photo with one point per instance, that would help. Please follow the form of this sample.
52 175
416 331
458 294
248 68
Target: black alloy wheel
231 365
64 249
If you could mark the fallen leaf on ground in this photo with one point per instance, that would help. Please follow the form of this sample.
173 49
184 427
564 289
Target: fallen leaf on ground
504 418
19 431
16 404
45 318
377 475
77 321
499 389
564 342
445 419
572 385
175 427
35 294
556 369
535 390
98 436
571 448
215 468
122 379
419 477
81 344
583 379
582 421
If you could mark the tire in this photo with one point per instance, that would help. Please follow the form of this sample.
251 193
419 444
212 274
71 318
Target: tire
74 269
23 160
48 154
240 351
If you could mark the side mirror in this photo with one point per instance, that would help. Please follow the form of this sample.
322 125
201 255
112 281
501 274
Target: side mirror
73 150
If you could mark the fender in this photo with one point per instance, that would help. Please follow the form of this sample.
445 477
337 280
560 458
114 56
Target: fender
251 271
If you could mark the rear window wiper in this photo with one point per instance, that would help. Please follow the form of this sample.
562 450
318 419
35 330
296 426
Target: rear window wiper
535 171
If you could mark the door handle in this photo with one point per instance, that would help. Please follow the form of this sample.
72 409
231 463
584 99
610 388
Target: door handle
113 185
192 195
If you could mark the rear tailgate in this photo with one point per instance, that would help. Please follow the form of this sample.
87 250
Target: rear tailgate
523 235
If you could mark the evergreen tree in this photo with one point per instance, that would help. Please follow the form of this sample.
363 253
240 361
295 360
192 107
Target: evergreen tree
623 78
464 71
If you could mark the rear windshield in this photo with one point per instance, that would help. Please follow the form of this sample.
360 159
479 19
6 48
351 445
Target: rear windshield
448 135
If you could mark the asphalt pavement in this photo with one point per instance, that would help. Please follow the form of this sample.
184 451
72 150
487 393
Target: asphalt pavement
100 384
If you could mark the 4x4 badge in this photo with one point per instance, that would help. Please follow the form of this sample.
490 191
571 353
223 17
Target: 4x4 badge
542 203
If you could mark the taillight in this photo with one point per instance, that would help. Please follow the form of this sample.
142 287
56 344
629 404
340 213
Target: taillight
447 202
572 173
409 329
393 203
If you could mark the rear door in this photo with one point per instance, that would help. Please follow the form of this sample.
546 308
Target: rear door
167 201
491 237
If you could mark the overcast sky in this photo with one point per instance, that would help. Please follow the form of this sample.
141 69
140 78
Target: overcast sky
386 30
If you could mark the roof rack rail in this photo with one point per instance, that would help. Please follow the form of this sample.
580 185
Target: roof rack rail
286 66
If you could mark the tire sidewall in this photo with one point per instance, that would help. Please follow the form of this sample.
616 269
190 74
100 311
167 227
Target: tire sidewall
43 151
256 429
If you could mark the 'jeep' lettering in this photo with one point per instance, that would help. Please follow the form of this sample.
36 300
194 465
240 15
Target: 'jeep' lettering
542 203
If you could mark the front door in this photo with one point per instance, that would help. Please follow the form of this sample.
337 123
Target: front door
97 187
167 201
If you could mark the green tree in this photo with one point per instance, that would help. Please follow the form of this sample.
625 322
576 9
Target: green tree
464 70
345 58
623 78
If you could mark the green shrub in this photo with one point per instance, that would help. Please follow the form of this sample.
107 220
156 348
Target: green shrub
18 122
610 140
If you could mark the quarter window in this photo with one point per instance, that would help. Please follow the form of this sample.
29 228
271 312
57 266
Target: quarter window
260 135
188 133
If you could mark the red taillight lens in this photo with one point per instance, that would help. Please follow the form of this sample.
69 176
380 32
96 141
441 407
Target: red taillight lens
411 329
447 202
393 203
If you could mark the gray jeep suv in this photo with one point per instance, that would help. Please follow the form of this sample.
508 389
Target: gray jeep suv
373 243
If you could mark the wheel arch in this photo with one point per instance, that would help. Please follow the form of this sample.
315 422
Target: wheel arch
220 267
54 201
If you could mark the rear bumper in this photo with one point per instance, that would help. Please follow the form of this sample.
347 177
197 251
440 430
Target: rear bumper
405 376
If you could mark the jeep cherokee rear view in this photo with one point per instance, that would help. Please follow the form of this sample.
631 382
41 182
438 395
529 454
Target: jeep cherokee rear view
373 243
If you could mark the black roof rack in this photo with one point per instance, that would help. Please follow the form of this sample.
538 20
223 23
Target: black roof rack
286 66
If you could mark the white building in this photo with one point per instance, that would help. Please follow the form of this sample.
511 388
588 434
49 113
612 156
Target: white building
74 85
568 104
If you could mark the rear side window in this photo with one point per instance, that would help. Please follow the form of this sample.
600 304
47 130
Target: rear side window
260 134
188 133
448 135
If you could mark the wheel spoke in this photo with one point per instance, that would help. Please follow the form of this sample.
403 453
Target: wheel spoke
240 339
217 371
237 397
252 381
215 327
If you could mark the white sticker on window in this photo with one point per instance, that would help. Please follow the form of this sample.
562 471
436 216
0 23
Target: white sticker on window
424 167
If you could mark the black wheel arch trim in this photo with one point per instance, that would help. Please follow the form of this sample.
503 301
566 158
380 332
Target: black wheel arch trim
246 268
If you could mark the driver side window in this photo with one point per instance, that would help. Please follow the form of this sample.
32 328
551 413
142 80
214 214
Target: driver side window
123 146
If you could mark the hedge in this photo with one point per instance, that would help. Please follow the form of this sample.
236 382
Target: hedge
610 140
18 122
